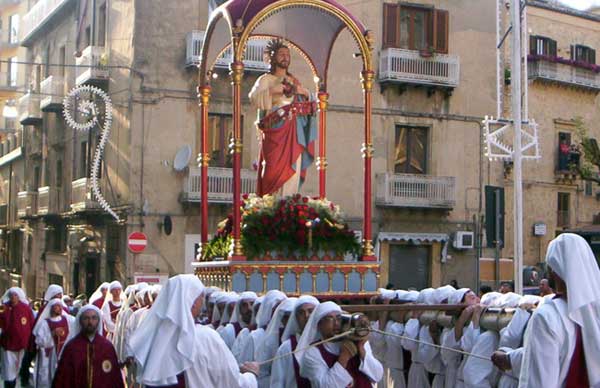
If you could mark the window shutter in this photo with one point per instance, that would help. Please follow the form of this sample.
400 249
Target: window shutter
440 30
532 44
592 57
391 25
552 47
572 52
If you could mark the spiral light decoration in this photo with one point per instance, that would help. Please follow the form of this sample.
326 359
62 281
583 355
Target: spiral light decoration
79 99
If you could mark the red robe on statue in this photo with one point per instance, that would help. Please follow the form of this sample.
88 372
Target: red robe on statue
88 364
16 323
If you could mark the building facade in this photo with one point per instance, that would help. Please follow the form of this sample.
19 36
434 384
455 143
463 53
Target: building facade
436 80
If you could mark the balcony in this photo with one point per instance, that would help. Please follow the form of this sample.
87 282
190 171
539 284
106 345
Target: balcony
26 204
29 109
52 91
40 14
220 185
399 66
81 196
564 74
48 201
253 57
415 191
90 66
8 40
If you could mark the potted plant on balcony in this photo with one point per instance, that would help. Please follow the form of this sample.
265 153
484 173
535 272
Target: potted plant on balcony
427 52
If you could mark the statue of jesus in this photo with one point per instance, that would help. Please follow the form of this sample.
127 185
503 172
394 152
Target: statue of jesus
287 125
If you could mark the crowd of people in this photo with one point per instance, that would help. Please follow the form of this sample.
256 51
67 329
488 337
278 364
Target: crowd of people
187 335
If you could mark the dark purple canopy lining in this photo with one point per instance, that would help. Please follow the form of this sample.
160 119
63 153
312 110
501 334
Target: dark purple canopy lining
313 30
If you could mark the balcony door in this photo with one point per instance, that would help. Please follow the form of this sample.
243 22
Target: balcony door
409 266
410 156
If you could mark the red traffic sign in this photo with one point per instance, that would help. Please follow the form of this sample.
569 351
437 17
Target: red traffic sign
136 242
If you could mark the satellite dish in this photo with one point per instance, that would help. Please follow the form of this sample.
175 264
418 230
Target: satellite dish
182 158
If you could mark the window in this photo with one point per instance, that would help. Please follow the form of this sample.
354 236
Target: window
12 71
59 174
55 279
410 155
582 53
568 153
540 45
62 60
83 160
415 27
220 131
88 37
36 177
589 188
10 123
56 238
102 26
562 218
13 25
47 62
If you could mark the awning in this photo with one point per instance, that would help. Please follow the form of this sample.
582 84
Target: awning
414 237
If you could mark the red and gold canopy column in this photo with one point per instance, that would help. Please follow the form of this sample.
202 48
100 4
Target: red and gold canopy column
322 159
237 72
204 157
367 77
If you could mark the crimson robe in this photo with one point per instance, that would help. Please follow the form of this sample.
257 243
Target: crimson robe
98 302
16 323
88 364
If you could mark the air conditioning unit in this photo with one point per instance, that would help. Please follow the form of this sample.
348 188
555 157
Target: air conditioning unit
464 240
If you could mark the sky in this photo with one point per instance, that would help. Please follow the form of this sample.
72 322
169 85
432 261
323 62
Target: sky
581 4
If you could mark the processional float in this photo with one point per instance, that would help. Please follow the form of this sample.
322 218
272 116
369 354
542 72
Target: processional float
311 28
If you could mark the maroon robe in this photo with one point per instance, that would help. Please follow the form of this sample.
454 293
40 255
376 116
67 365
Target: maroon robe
301 382
32 347
16 323
577 375
99 302
360 379
237 328
114 310
60 332
88 364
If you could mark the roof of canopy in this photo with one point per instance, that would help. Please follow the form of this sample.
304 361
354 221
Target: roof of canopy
311 26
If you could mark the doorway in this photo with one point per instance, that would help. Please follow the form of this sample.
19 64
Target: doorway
409 266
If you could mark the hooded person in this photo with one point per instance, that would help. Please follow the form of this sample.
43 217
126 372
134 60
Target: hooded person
272 299
219 300
97 298
267 348
335 364
145 301
417 375
88 359
127 309
452 359
430 355
478 372
111 307
281 375
240 319
242 338
510 352
208 306
16 325
564 347
51 332
170 345
230 302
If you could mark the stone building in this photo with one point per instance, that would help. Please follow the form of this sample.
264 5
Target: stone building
436 80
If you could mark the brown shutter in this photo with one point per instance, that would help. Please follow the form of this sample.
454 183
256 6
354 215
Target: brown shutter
533 44
440 30
391 25
552 47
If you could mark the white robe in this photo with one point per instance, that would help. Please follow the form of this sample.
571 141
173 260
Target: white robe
417 375
430 356
239 346
549 348
510 378
130 327
393 358
467 341
228 335
215 366
45 365
120 327
11 363
450 359
478 373
315 369
511 338
282 369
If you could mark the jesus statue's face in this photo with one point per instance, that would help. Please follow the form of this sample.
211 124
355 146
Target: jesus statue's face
282 58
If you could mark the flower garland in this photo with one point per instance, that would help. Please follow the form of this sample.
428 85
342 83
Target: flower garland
564 61
292 227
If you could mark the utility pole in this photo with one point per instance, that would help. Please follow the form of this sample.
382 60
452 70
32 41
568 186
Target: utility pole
515 10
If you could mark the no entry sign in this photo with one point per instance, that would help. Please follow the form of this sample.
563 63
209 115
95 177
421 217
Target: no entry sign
136 242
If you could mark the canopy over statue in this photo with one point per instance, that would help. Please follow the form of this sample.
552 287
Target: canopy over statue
292 116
